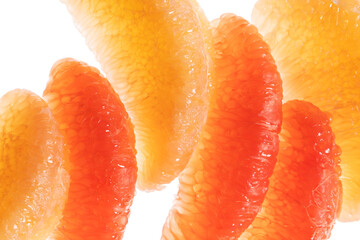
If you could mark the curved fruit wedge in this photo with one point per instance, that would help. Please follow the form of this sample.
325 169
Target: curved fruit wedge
101 144
316 46
224 184
154 54
304 196
33 181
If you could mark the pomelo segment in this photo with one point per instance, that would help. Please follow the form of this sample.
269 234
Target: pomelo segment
304 196
33 181
316 46
101 145
224 184
154 52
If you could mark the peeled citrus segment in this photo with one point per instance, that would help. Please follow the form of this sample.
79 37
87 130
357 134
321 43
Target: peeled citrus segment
316 47
224 184
155 55
101 145
304 195
33 181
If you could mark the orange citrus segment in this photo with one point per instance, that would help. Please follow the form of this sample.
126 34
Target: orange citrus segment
304 195
101 145
316 46
224 184
154 54
33 181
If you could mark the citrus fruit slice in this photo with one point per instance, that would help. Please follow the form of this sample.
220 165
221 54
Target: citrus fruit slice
101 146
316 47
33 181
224 184
304 195
154 54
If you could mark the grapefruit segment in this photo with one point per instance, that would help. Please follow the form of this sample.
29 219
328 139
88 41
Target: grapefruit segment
33 181
316 46
304 196
155 55
101 145
224 184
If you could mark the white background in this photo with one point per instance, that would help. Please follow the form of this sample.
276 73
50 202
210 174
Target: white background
34 34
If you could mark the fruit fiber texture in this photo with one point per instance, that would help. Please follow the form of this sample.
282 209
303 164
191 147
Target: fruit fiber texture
33 180
304 195
223 186
154 52
101 146
316 46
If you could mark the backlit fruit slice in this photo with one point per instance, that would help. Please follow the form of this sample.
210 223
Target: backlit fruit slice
33 182
155 55
305 192
101 145
224 184
316 46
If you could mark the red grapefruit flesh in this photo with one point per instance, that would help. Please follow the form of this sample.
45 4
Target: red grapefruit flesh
154 52
224 184
101 145
305 192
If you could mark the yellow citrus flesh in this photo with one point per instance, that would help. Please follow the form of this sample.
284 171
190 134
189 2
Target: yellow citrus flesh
154 53
316 46
33 182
